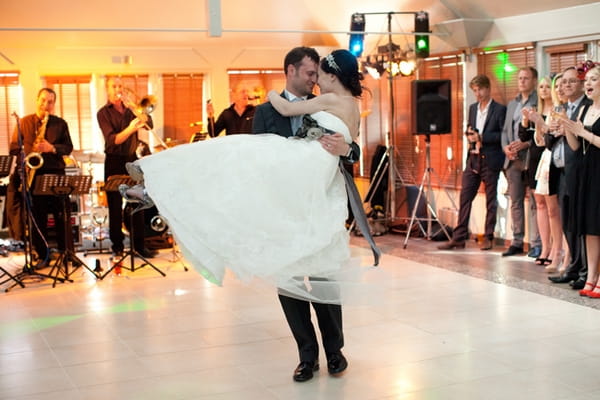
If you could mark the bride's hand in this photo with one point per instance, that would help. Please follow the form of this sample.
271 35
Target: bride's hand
334 144
272 93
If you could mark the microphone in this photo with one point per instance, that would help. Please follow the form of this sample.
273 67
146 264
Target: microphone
197 123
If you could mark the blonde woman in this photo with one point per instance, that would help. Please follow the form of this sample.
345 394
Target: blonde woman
548 212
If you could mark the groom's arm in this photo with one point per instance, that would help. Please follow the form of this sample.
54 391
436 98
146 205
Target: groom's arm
259 124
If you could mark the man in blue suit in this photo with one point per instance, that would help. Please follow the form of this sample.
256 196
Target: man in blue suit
563 179
484 163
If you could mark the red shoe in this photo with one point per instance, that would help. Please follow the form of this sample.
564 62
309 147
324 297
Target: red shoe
594 295
586 292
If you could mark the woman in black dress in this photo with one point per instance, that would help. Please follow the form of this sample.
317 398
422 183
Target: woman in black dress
583 135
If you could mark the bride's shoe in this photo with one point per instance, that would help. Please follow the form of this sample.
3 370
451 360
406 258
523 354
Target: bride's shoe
136 194
134 171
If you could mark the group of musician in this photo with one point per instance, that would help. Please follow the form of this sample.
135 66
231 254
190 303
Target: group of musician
40 142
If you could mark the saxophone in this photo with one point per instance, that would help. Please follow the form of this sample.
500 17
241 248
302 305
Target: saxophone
30 160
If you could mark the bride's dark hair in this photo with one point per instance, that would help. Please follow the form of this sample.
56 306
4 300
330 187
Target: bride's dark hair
344 65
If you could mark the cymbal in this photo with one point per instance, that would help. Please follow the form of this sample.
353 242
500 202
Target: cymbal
88 156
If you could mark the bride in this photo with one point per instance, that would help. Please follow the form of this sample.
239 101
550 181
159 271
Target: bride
265 206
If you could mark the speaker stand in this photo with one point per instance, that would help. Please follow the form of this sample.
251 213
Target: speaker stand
426 191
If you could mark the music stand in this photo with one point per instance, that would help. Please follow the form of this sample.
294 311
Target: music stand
5 167
62 186
198 136
112 185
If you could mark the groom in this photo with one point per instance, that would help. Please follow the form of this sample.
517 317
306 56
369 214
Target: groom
301 67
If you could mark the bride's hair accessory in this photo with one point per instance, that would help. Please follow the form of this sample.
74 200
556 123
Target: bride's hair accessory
585 67
331 62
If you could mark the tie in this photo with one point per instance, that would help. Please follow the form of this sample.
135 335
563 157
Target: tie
297 119
571 111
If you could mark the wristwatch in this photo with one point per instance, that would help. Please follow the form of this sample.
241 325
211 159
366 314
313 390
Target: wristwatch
349 153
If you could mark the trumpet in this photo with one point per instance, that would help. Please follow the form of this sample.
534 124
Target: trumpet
141 108
30 160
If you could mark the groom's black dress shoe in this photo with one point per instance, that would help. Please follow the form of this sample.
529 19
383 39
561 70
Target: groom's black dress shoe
336 363
304 371
578 284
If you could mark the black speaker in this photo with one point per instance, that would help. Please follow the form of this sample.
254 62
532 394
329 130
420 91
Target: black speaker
431 111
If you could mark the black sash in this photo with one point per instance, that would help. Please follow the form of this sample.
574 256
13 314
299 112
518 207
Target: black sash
359 212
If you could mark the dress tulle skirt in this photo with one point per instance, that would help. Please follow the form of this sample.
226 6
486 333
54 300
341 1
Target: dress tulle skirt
263 206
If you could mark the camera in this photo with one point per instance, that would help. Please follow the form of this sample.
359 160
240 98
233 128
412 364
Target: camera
473 146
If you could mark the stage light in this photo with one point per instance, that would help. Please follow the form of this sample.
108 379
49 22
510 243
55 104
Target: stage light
357 24
373 65
373 71
407 67
421 41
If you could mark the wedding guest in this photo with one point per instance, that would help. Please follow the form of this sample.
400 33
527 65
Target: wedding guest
516 162
583 136
484 163
565 164
548 214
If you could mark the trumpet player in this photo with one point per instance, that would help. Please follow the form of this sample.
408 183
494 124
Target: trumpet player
45 139
120 125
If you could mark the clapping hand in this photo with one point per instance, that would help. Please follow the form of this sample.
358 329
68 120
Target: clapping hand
572 127
513 148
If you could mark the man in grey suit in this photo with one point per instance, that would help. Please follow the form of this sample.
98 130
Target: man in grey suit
301 67
484 163
517 153
564 167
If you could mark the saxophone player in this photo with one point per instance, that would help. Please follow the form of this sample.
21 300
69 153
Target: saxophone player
45 137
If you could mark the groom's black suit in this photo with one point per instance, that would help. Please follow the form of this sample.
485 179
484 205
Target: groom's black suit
297 312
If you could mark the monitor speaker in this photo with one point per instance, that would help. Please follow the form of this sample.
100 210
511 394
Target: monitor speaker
431 108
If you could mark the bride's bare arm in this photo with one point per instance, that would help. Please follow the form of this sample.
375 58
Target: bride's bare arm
287 108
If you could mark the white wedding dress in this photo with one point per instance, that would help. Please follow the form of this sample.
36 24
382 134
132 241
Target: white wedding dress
263 206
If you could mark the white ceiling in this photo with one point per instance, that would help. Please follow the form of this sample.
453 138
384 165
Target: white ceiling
149 24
